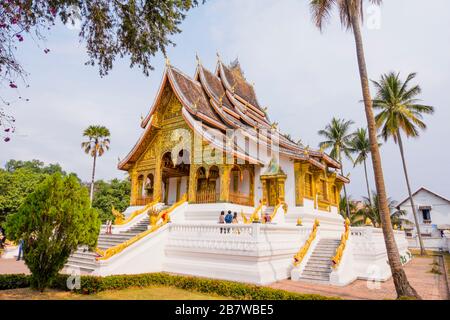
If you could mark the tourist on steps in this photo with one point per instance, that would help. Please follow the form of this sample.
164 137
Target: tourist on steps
222 220
228 219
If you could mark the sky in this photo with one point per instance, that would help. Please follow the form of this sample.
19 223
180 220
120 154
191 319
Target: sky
303 76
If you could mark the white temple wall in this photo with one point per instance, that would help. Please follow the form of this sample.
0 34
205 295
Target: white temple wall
289 188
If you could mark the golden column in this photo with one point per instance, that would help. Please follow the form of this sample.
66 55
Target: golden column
134 187
192 184
225 171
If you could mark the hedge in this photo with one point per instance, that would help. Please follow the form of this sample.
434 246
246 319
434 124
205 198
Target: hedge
94 284
14 281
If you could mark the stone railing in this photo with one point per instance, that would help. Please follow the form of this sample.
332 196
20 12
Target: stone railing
304 249
336 260
239 237
164 216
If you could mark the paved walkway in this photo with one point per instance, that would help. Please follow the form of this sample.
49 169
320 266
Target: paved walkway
430 286
9 266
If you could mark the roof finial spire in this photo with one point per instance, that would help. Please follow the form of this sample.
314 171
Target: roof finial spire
218 56
197 58
167 61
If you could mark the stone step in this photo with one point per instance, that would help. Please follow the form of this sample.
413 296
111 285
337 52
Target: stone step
90 257
313 264
326 269
314 279
87 269
324 274
80 263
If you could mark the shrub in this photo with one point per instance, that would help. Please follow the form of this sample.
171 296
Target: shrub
94 284
14 281
52 222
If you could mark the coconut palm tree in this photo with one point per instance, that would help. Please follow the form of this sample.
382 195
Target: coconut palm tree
371 210
337 138
357 216
360 145
96 146
400 111
350 13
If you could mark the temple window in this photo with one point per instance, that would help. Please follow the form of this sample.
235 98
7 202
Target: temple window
323 189
334 194
140 183
308 185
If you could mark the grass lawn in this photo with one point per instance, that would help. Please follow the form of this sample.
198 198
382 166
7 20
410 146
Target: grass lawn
150 293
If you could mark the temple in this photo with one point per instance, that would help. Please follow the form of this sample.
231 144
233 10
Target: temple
208 146
209 137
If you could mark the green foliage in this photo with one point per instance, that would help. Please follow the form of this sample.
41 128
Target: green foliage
236 290
108 194
14 281
53 221
337 138
98 141
399 107
93 284
18 180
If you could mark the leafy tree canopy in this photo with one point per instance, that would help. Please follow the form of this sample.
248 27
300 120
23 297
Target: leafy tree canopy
108 194
52 222
19 179
137 29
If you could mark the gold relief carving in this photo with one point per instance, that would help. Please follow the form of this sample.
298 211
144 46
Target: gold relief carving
172 109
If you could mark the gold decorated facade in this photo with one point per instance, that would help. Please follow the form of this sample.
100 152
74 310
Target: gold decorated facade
175 154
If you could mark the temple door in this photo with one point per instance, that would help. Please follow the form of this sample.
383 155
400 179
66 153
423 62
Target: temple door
272 193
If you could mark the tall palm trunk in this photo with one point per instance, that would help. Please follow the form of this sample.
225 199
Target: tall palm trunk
347 205
91 194
402 153
367 184
401 283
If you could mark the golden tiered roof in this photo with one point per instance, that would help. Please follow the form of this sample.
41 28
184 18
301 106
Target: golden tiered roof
223 100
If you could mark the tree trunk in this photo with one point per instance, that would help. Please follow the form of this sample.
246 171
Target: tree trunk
91 194
401 283
347 205
367 184
402 153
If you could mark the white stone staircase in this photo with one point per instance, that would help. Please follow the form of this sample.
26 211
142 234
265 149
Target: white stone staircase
84 259
318 266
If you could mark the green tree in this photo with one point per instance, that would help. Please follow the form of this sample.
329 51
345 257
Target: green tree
371 210
356 216
115 193
18 180
400 111
360 146
351 16
53 221
109 29
337 138
97 144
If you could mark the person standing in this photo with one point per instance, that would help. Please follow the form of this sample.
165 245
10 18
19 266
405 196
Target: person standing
222 220
20 254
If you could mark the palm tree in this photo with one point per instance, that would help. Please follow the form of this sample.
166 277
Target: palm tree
400 111
357 216
338 136
372 211
350 12
97 144
360 146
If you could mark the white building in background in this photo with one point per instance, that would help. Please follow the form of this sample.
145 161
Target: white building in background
433 212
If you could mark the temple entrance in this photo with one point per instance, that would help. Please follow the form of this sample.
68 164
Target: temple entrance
208 185
174 176
241 186
272 192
